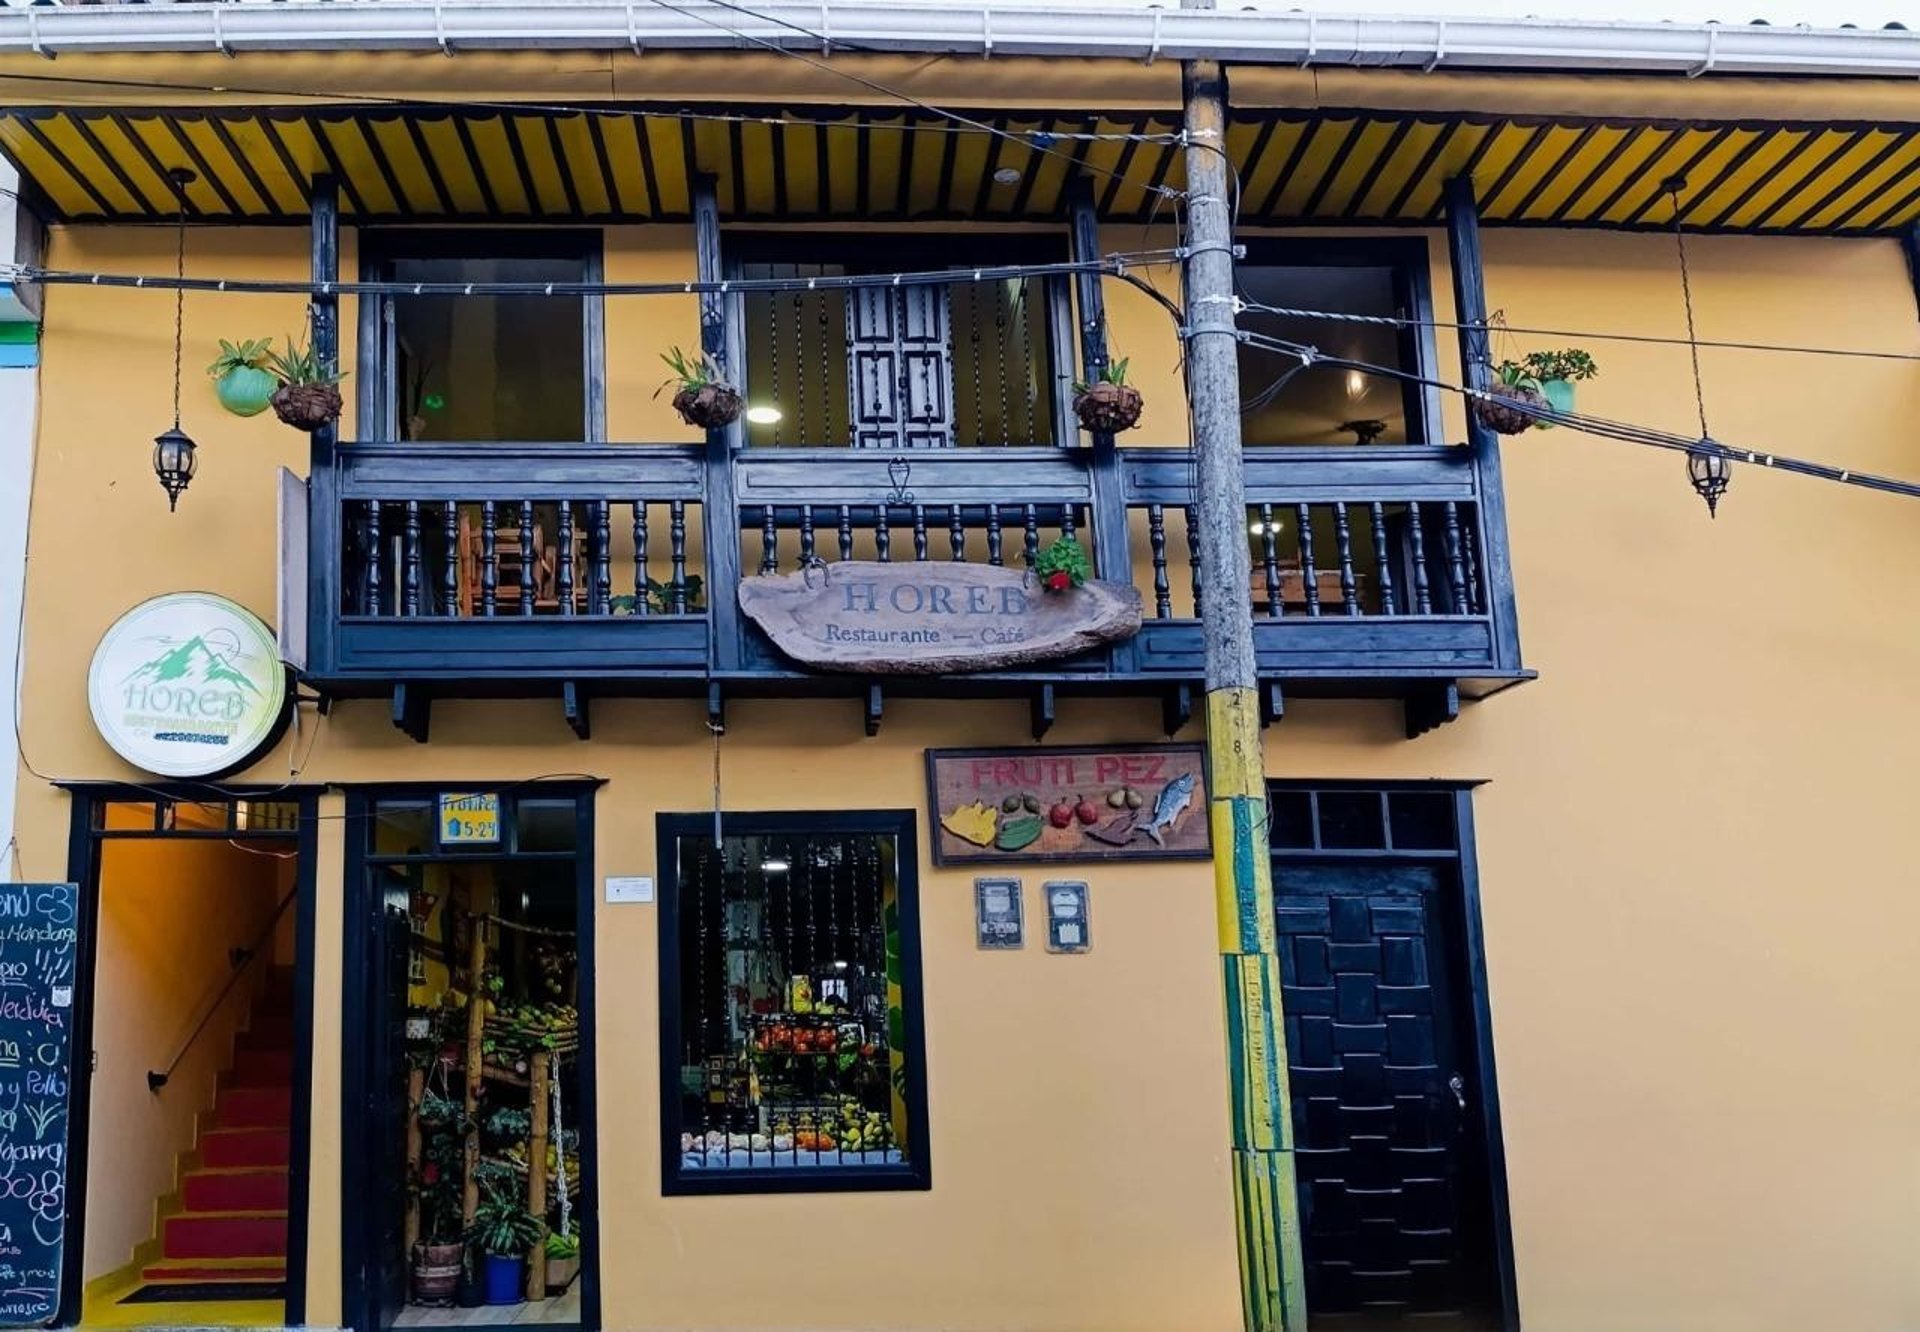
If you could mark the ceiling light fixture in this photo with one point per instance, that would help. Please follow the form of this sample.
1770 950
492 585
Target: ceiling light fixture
766 414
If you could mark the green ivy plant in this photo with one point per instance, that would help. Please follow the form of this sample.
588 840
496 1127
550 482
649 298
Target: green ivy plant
660 597
1569 363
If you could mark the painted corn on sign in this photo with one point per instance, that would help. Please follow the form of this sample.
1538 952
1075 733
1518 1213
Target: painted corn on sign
1105 803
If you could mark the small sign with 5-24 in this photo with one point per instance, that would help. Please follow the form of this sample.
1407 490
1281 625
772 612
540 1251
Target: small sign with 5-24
471 819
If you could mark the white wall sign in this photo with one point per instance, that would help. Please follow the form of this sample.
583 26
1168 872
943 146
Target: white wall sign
629 889
188 685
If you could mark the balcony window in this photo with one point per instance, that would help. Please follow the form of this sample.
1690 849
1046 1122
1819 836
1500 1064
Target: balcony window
969 364
791 1000
1332 404
473 368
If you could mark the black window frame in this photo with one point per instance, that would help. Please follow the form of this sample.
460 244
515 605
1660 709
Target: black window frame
377 408
915 1174
1410 259
926 250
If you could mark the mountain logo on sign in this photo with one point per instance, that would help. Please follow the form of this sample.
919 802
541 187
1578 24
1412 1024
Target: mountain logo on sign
194 661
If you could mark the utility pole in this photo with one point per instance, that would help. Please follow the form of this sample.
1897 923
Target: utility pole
1266 1199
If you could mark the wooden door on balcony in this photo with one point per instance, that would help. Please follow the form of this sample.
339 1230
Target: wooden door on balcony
900 358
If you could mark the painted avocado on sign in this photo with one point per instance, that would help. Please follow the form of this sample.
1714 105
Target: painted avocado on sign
188 685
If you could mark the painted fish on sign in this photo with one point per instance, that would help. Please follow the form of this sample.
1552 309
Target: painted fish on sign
923 618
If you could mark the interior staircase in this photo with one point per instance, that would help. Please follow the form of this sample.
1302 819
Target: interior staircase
228 1222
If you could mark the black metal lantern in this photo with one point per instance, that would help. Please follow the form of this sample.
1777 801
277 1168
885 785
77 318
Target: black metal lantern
173 463
1710 469
173 451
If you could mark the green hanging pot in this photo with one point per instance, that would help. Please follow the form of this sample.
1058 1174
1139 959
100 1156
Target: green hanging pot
245 390
1559 396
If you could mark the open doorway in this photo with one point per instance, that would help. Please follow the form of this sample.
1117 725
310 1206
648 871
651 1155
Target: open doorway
469 1012
187 1180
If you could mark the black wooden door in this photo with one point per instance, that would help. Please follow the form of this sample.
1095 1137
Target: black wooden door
1395 1211
900 367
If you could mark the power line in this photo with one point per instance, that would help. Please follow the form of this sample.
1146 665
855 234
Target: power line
1113 265
636 112
1623 431
1399 321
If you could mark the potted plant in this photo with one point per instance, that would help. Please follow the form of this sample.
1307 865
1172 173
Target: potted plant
563 1262
240 378
503 1230
703 395
1108 403
309 392
1557 372
1512 402
1063 565
437 1257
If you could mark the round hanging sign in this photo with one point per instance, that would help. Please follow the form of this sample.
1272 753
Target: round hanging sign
188 685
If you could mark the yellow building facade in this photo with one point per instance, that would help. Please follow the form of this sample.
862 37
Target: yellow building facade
1676 904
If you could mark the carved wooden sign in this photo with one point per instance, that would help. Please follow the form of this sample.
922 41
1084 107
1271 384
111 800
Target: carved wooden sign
923 617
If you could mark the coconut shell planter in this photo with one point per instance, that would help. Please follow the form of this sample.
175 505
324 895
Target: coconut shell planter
1107 407
307 406
708 406
1509 409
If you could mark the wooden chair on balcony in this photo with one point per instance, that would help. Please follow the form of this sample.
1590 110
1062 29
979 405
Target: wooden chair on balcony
510 564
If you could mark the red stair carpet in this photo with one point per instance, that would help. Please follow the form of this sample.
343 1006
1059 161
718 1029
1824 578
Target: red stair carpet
232 1226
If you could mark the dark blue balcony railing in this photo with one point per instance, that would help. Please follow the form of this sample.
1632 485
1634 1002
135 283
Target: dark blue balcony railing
504 568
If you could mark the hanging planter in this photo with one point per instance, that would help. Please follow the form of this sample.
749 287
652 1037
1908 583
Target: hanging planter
1063 566
1109 404
1513 402
240 378
1556 373
309 393
703 396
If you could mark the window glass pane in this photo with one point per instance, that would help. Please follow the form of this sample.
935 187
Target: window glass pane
791 1003
489 367
544 825
125 815
1323 404
403 828
1422 820
1351 820
1292 819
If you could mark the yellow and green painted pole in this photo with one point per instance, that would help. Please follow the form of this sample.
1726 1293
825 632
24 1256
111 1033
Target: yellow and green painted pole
1266 1203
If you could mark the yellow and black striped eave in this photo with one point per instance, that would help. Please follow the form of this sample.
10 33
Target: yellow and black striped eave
629 162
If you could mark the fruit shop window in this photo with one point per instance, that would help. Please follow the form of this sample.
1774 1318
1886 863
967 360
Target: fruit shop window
790 997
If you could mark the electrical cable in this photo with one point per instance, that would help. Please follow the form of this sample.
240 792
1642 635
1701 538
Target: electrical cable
1398 321
1112 265
1623 431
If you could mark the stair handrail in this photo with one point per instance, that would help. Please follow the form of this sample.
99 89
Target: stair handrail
241 959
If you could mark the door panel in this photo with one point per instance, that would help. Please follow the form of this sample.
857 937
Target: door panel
387 1114
900 358
1392 1176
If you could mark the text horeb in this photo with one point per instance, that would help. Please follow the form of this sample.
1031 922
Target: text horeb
182 701
936 599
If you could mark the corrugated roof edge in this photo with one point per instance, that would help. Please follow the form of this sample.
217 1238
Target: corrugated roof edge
985 30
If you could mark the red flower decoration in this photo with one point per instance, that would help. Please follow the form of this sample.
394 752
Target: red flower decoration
1059 581
430 1173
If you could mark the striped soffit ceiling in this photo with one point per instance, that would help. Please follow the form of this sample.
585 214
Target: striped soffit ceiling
633 163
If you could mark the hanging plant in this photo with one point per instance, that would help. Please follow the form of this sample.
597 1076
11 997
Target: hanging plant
240 378
1108 404
1063 566
1556 372
1512 403
309 392
703 396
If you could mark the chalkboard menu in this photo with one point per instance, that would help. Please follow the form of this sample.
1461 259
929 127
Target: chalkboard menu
37 938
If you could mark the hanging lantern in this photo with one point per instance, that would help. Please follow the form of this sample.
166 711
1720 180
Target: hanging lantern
173 463
173 451
1710 469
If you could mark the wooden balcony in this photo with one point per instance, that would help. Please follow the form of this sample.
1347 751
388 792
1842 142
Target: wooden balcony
583 570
